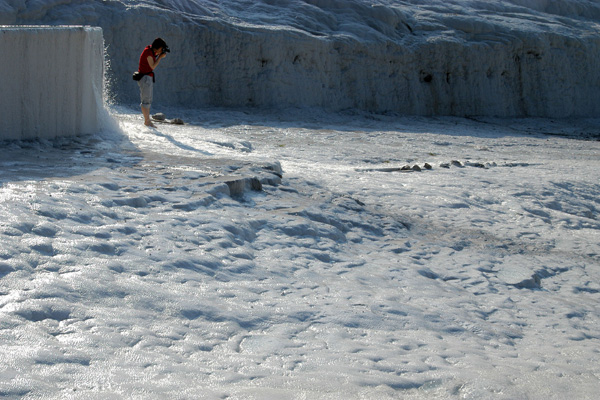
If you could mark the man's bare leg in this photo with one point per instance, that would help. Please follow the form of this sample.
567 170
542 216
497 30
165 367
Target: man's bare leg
147 120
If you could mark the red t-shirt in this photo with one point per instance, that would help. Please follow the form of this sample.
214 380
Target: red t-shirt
144 67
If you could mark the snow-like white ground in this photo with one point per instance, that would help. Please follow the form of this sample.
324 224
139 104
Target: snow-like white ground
127 271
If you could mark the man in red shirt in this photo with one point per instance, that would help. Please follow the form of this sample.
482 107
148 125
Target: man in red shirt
149 60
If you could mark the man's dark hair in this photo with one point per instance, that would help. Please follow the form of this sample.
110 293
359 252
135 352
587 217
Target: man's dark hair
158 43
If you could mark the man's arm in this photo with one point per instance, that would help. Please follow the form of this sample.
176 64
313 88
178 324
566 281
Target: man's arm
153 64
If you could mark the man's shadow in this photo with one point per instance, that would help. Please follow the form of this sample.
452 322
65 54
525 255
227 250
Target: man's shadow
179 144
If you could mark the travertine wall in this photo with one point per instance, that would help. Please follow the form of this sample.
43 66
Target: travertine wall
51 79
480 70
420 57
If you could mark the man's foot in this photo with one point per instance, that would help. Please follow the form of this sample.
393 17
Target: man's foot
149 124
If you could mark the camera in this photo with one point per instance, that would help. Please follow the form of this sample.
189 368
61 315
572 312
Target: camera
166 49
